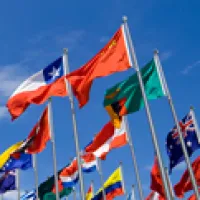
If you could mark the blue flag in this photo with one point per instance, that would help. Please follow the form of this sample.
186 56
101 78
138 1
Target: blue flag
173 145
29 195
17 160
7 182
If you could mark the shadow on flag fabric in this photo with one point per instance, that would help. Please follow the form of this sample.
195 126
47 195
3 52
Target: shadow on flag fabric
113 187
38 137
173 145
7 182
38 88
90 193
185 185
126 97
113 57
156 180
29 195
47 189
107 139
154 196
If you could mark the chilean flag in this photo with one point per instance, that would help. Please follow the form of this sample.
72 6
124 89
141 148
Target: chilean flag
38 88
107 139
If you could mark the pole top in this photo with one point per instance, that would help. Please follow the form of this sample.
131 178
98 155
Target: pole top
133 185
156 51
124 18
65 50
191 107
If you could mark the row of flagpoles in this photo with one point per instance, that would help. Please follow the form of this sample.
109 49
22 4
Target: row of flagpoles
70 90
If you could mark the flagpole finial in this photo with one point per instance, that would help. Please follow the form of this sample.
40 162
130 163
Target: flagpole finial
156 51
192 107
125 19
65 50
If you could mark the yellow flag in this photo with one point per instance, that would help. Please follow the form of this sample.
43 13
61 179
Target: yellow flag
6 154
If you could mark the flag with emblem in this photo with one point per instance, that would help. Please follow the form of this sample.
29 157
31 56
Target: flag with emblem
38 88
113 57
173 145
126 97
8 182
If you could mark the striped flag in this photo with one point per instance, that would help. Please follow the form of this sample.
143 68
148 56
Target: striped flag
29 195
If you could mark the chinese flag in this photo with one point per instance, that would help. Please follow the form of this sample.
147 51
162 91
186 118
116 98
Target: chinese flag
112 58
156 180
39 135
185 184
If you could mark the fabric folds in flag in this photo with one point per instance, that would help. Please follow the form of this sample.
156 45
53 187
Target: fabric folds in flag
38 88
90 193
89 162
185 185
154 196
156 180
112 58
39 136
173 145
31 195
126 97
107 139
113 187
7 182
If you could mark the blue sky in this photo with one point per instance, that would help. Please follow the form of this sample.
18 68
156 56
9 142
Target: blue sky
34 33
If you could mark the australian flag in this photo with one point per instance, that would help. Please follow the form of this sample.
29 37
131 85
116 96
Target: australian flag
173 145
7 182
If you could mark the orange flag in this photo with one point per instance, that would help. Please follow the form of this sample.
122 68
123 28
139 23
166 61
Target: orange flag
156 180
185 184
112 58
39 135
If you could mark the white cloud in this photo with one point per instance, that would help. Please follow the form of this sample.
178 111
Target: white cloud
190 67
166 55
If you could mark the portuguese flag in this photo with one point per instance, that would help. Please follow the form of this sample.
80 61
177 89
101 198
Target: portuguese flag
47 189
126 97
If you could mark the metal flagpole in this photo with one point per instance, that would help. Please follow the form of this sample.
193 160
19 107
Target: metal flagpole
182 142
66 71
101 176
123 183
53 147
148 112
92 184
35 168
74 194
18 184
134 159
195 123
133 193
169 183
1 196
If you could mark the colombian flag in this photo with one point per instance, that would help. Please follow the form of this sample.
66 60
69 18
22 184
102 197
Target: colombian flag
113 187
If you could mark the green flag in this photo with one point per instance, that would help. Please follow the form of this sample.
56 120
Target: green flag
126 97
45 189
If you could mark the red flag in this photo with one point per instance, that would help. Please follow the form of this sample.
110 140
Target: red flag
112 58
154 196
185 184
156 180
39 135
193 197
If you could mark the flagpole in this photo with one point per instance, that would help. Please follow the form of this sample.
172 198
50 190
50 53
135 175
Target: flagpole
195 123
123 183
139 185
50 113
92 184
182 142
133 192
148 112
35 168
74 194
76 139
101 176
1 196
169 183
18 184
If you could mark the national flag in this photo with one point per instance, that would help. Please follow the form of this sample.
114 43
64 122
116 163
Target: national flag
7 182
107 139
38 88
113 187
69 175
156 180
126 97
174 149
193 196
131 195
114 57
31 195
154 196
185 184
47 189
39 136
89 162
90 193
